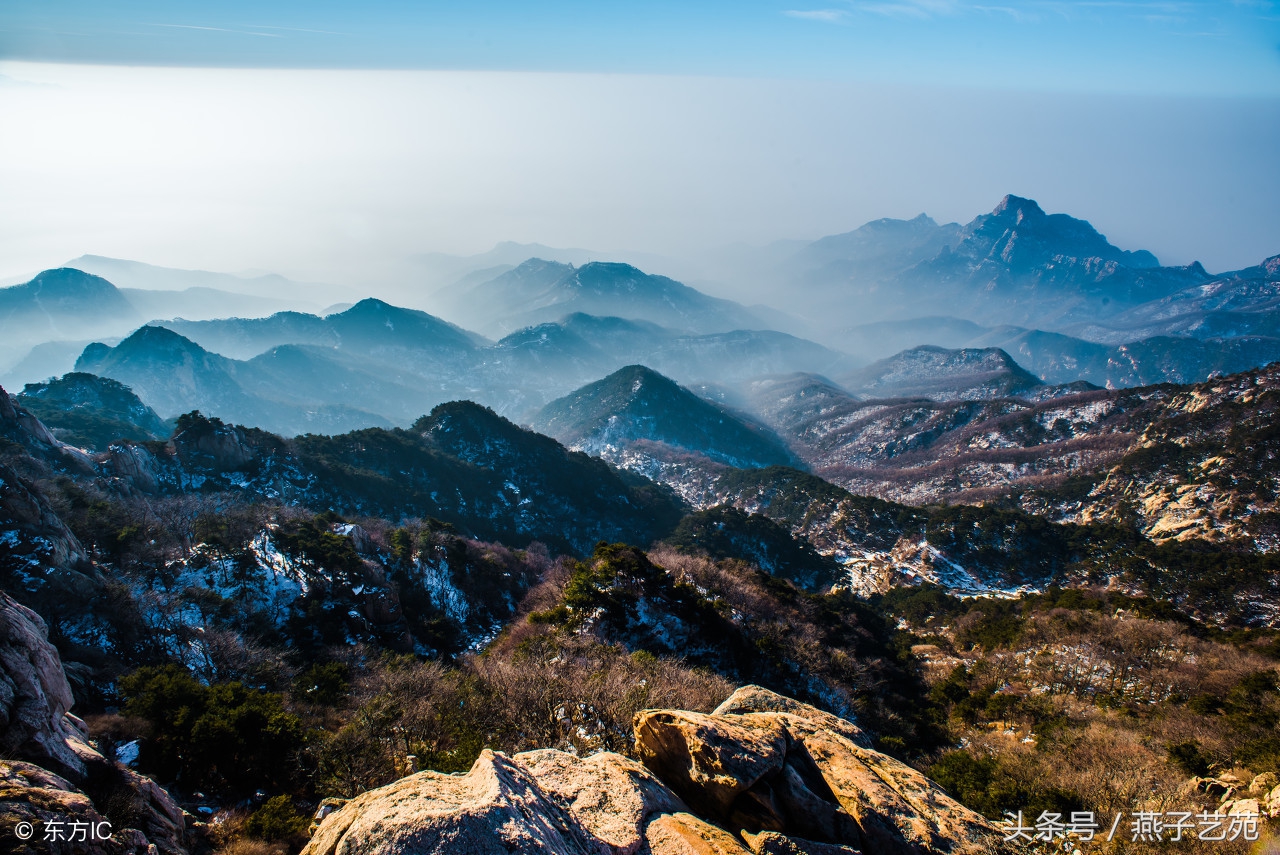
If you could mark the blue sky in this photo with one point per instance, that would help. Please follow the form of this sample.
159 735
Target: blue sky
1229 48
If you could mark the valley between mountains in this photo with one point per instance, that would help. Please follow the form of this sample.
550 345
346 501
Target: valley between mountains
589 560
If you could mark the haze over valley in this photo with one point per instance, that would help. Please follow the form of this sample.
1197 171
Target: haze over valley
647 429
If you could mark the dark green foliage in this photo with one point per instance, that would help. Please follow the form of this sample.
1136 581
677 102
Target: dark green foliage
1013 546
467 466
322 549
225 736
917 604
196 424
106 527
277 821
401 546
1205 704
491 578
1188 757
611 589
726 532
91 412
1252 707
323 684
751 627
999 624
982 784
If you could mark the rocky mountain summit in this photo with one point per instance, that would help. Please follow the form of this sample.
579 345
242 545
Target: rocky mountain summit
761 774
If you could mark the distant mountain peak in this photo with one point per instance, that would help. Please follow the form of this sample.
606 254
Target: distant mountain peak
67 292
537 266
153 337
1019 238
614 267
1019 206
369 304
69 279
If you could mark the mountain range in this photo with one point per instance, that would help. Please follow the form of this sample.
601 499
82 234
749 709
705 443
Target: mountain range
1015 265
378 364
47 321
1105 316
728 589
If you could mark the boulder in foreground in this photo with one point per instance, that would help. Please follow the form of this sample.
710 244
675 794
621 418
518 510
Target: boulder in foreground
762 775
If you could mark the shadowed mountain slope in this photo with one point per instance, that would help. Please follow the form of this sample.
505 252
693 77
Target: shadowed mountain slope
944 375
92 412
638 404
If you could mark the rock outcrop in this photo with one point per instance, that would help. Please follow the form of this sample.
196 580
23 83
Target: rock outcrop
35 696
36 796
762 775
19 426
56 767
794 773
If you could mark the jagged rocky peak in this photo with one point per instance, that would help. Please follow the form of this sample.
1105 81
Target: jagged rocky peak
761 774
1022 235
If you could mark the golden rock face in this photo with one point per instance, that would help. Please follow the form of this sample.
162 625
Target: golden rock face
763 774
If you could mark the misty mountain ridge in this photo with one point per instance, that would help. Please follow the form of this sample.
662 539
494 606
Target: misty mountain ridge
538 291
67 305
137 275
1017 260
399 363
174 375
362 372
61 303
444 271
1059 359
368 327
873 251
